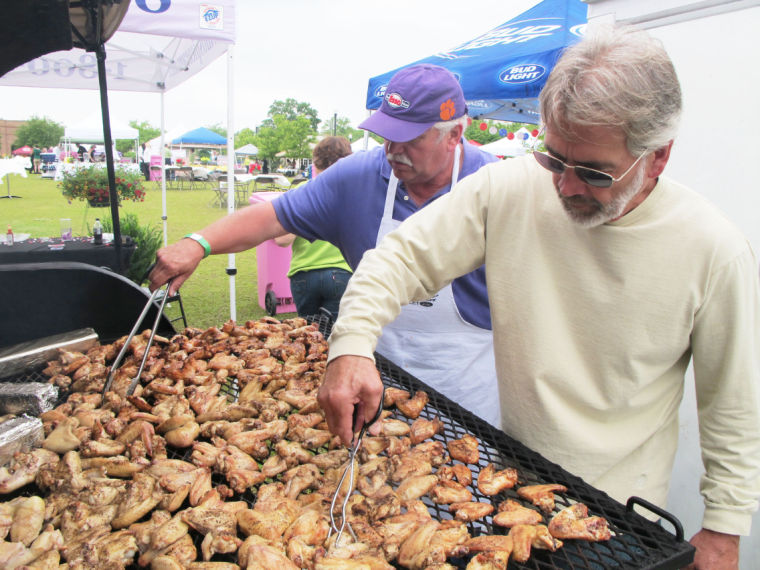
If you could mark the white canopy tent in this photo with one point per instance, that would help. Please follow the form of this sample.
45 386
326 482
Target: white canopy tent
505 147
90 130
157 47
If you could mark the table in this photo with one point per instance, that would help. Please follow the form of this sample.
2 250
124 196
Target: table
79 249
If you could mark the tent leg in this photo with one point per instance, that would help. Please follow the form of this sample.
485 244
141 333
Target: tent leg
101 58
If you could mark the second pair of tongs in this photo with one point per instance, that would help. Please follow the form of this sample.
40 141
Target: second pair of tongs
140 319
349 470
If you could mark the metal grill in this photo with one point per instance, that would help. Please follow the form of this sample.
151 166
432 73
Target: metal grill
636 542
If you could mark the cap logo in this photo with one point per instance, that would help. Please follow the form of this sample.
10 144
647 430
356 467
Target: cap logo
447 110
395 100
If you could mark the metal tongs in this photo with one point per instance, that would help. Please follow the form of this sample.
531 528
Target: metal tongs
124 348
349 470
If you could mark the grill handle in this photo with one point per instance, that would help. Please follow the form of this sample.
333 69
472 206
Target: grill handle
658 511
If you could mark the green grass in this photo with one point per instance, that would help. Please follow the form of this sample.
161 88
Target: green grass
205 295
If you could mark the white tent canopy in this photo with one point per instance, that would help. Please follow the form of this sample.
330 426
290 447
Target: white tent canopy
505 147
157 46
90 130
248 149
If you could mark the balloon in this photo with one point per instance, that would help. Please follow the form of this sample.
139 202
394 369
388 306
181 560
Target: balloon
483 126
534 132
502 132
492 130
510 136
526 136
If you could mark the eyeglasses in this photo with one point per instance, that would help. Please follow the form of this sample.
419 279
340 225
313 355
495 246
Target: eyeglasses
595 178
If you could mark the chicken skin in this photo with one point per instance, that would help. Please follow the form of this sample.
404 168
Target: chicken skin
423 429
465 449
541 495
447 492
469 511
492 482
512 513
524 537
412 407
575 522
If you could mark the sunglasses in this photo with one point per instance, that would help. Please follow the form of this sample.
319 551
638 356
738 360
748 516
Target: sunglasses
595 178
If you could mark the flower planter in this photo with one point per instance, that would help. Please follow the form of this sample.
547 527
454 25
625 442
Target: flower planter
95 203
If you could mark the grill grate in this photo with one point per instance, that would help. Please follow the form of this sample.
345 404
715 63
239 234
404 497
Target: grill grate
637 543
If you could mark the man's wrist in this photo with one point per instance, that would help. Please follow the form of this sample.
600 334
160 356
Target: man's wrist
200 240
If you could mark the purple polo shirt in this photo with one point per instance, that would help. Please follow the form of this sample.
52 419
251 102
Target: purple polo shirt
344 206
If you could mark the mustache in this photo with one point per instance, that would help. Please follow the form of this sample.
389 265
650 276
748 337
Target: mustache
400 158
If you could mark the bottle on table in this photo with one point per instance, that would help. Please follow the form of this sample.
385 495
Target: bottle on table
97 232
9 236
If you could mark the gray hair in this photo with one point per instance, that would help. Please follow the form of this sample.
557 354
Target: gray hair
615 77
445 126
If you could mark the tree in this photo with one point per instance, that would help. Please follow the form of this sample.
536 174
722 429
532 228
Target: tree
218 129
291 136
39 132
145 130
291 110
244 137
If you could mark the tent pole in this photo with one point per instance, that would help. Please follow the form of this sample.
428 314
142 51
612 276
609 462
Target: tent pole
164 217
101 59
231 195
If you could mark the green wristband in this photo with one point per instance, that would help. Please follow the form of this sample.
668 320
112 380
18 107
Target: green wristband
202 241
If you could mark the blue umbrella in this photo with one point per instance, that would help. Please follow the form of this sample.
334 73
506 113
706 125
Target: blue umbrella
503 71
201 135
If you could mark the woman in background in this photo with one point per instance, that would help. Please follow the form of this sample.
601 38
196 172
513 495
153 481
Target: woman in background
318 273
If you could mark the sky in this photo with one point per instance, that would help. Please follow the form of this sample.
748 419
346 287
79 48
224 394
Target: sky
321 52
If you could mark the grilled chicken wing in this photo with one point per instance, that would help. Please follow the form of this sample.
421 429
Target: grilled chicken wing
524 537
541 495
512 513
24 468
457 471
574 522
423 429
416 487
492 482
469 510
493 560
446 492
412 407
465 449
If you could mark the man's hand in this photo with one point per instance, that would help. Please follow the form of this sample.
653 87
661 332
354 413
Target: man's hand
350 381
176 262
715 551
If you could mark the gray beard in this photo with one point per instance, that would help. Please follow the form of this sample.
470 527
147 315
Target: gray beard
603 213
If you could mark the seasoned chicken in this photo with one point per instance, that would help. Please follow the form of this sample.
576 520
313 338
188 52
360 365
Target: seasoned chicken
241 469
490 543
412 407
112 550
464 449
415 487
16 555
492 482
575 522
333 458
423 429
24 467
163 537
469 511
409 464
396 529
143 493
299 478
393 395
256 554
310 526
524 537
491 560
512 513
27 520
457 471
541 495
432 542
270 523
446 492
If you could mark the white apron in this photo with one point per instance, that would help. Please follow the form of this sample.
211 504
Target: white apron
431 341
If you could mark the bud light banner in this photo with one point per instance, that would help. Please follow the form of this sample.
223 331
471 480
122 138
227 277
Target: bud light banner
502 71
210 20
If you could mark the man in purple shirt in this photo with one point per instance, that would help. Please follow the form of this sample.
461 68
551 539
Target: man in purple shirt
444 341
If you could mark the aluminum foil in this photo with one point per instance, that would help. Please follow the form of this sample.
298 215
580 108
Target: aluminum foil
31 398
19 434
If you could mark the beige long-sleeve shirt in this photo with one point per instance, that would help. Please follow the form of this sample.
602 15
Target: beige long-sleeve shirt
594 328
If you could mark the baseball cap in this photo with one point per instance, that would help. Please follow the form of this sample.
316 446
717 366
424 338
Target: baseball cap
415 99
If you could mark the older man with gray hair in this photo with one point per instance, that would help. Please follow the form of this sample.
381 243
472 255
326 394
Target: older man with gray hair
362 197
605 279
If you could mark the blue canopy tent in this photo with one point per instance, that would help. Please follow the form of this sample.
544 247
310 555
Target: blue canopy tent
200 136
503 70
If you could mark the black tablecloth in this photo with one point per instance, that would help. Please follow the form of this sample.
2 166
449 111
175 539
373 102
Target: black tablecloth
81 250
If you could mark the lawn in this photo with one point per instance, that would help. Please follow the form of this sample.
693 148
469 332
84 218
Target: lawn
205 295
